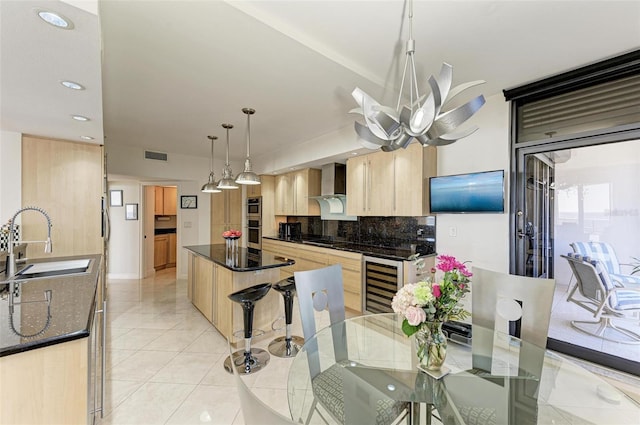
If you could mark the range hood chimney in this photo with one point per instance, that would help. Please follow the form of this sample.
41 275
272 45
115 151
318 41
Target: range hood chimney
333 189
334 180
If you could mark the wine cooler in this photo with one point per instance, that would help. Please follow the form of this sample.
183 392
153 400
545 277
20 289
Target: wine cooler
382 278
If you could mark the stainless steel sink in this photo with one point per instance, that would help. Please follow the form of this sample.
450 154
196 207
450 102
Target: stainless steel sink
54 269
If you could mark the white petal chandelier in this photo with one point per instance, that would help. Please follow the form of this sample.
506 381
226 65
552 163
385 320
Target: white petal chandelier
423 118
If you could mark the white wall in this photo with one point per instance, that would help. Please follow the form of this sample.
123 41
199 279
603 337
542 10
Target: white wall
188 174
482 239
10 174
126 235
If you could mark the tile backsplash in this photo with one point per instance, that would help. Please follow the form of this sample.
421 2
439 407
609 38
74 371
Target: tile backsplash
4 236
397 232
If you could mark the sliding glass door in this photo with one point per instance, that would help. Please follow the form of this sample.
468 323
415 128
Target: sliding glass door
588 192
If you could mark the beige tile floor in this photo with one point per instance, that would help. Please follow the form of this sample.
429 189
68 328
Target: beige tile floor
164 360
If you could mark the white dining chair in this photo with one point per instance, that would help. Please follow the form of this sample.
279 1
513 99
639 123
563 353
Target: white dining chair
254 410
483 395
320 290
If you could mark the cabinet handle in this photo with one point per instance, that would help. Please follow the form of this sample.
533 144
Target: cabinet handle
394 182
364 184
369 185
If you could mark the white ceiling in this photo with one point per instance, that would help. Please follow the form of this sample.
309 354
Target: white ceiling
173 71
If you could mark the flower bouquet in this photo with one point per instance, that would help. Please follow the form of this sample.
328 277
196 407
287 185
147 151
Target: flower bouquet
427 304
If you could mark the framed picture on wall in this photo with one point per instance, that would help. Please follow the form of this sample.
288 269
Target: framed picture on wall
131 212
115 198
188 202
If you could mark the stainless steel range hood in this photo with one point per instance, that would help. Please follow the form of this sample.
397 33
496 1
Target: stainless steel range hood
333 198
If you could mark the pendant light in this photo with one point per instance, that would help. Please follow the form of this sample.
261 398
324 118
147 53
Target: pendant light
248 176
211 185
227 181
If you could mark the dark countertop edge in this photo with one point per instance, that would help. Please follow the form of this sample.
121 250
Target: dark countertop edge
33 345
285 261
341 248
71 336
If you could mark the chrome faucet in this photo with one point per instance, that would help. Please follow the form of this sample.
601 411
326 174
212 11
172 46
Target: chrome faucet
47 243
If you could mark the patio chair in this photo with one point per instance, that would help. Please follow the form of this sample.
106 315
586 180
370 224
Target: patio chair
605 254
319 290
604 300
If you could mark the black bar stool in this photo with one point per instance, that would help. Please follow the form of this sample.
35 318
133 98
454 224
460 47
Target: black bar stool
252 359
288 345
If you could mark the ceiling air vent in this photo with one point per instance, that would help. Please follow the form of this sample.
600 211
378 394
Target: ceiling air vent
158 156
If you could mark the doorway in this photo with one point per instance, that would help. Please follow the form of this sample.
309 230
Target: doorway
160 229
579 192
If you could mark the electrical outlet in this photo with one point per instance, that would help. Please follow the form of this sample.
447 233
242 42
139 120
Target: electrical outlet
453 232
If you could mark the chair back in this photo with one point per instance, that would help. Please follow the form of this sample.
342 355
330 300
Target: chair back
254 410
490 292
319 290
600 251
593 283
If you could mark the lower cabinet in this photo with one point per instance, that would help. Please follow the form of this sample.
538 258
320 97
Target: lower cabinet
164 251
203 287
210 285
47 385
309 257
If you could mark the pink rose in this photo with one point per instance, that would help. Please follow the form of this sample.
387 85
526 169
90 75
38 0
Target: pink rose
415 315
436 291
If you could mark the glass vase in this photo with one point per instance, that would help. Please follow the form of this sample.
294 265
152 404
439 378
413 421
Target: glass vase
431 346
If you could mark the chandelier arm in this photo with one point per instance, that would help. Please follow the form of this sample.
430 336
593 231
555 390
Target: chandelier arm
415 82
404 76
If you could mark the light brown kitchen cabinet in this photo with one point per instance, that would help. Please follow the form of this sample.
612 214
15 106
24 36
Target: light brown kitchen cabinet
212 283
173 248
56 389
202 292
293 192
254 190
65 179
226 213
391 184
164 251
308 257
166 200
160 251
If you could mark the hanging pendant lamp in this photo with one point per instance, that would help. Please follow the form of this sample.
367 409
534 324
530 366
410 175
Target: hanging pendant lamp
211 186
227 182
423 118
248 177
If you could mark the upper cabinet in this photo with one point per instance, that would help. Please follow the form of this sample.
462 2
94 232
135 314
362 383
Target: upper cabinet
254 190
166 200
293 191
391 184
226 213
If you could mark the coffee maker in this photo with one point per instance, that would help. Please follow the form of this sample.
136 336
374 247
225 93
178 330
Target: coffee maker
290 231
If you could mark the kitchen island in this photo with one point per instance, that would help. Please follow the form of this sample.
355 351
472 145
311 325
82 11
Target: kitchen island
215 271
47 345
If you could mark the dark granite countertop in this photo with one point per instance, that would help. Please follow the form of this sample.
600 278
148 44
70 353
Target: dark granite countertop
72 307
244 261
164 231
390 253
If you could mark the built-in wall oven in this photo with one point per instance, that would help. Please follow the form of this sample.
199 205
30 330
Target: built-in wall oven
254 206
254 223
381 280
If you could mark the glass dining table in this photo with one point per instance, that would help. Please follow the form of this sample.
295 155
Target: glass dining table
372 363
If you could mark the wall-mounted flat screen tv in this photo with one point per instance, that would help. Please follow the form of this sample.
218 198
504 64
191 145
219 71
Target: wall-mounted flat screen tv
467 193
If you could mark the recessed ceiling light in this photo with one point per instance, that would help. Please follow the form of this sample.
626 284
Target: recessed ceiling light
354 153
72 85
55 19
86 137
79 118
